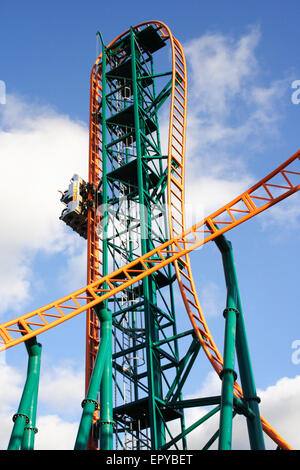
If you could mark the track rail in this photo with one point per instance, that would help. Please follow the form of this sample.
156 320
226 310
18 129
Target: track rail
275 187
249 204
94 252
26 326
176 211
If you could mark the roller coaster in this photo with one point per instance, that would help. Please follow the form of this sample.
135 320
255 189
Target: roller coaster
132 214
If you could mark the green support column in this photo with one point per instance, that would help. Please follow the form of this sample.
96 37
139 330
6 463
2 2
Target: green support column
30 430
106 393
242 350
134 171
248 385
106 398
228 376
154 378
90 403
25 417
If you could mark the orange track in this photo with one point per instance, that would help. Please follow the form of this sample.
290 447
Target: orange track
260 197
26 326
40 320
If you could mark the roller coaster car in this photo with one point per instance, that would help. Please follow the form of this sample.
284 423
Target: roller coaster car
75 198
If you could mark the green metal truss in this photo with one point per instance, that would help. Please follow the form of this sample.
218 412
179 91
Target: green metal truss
144 375
145 361
140 368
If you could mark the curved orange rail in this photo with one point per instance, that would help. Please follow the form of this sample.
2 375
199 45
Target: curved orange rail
260 197
176 208
176 202
26 326
249 204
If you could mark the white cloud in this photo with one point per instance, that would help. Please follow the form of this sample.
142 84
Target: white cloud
74 273
40 151
209 192
219 67
231 115
10 391
55 433
212 299
279 406
285 215
11 380
62 389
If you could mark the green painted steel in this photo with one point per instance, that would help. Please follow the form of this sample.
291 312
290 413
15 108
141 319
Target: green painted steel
140 371
228 376
106 422
145 371
191 428
214 437
145 358
24 420
183 370
106 394
30 430
255 431
153 377
242 350
90 403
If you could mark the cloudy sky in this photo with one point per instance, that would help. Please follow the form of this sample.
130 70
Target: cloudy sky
242 123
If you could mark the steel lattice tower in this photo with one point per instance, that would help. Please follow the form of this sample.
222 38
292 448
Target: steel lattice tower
131 211
134 220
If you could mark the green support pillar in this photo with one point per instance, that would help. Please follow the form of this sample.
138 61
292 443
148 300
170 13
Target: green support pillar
228 376
248 385
90 403
30 430
154 377
134 173
106 393
243 355
24 420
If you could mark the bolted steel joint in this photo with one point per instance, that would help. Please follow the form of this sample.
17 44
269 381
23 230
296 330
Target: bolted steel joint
20 415
230 310
30 428
227 370
256 398
89 400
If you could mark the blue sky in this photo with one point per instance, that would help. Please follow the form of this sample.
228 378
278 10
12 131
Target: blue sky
242 58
